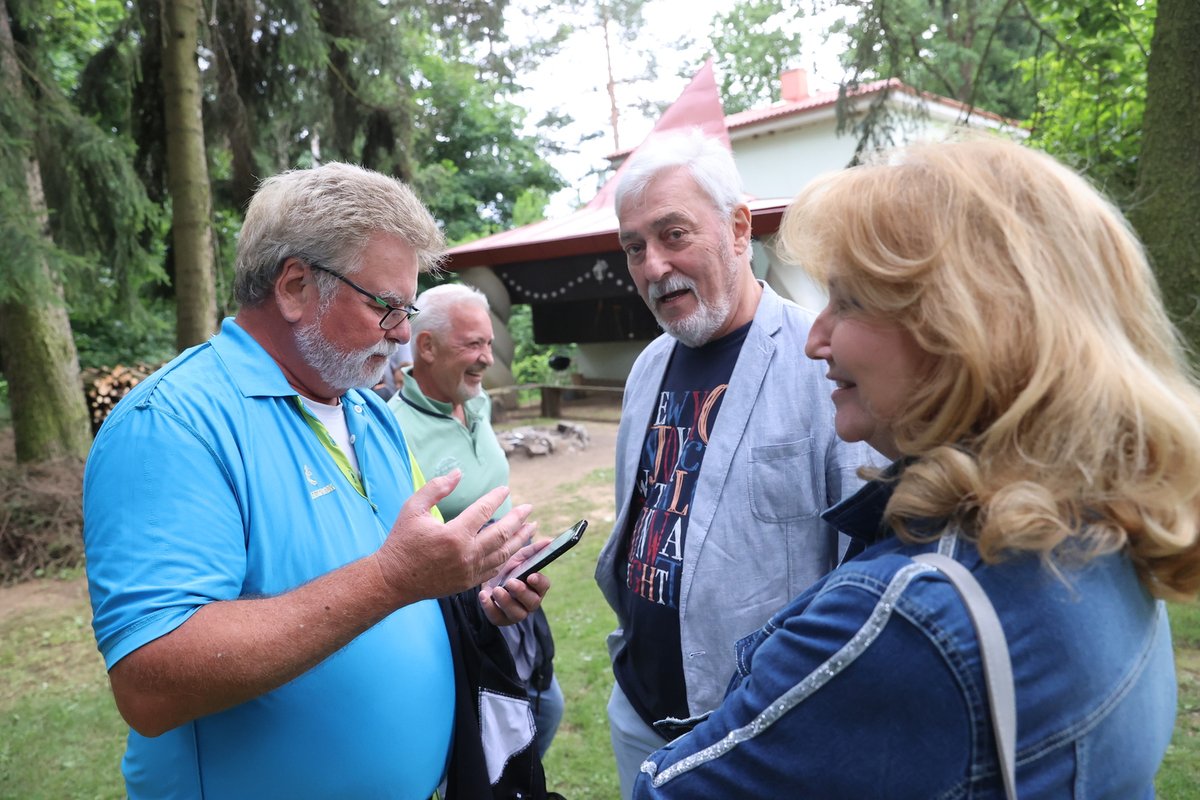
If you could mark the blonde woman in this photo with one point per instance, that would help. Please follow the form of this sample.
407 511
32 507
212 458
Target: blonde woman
994 327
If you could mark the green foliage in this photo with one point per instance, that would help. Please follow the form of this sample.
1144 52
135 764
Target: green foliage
226 224
118 242
109 341
1080 79
480 163
69 33
413 89
962 49
530 359
1090 80
106 235
752 44
530 206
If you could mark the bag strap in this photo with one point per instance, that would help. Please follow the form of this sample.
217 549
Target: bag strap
997 666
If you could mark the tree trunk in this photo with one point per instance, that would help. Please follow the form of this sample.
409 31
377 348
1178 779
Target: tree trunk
614 112
1167 210
39 360
187 178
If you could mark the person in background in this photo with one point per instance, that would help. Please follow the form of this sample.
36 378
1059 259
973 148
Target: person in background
446 417
993 326
726 452
389 384
262 574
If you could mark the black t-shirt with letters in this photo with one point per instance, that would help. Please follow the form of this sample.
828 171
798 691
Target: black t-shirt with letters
650 668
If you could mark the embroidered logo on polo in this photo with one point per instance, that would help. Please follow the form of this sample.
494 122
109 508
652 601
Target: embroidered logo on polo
312 480
445 466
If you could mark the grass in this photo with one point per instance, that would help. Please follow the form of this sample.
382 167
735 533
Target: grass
580 763
60 734
1180 772
61 737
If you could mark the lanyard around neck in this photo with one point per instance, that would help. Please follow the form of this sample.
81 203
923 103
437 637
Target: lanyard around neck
339 458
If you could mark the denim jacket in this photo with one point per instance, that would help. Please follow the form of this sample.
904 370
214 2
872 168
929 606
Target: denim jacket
869 684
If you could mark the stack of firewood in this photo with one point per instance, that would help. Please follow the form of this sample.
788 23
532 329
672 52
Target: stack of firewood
104 387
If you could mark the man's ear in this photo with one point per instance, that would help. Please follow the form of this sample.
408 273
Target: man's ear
423 347
740 220
295 289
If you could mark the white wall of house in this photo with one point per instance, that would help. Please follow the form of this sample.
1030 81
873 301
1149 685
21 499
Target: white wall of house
607 362
777 158
778 163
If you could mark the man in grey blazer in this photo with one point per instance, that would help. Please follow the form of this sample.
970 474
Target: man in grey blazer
699 558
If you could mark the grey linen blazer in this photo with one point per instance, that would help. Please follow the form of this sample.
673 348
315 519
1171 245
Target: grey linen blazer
755 538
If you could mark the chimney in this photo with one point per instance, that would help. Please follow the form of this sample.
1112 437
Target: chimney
793 85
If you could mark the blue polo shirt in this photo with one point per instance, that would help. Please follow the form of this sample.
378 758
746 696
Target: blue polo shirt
206 484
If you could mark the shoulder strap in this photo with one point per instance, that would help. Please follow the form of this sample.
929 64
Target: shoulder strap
997 667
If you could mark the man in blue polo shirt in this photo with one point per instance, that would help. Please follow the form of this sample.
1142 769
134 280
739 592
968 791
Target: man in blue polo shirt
262 574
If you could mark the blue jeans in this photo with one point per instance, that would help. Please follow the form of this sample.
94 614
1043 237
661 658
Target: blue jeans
547 713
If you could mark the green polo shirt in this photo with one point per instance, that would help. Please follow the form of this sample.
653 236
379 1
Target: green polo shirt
441 443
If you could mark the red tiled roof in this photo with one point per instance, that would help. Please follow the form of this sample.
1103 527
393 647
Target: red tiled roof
828 99
588 230
813 102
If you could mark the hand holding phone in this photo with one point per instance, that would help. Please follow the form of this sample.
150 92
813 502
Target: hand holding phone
561 544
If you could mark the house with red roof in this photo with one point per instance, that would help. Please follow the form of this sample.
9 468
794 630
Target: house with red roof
571 271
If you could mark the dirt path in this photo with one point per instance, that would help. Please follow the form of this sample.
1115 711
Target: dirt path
537 480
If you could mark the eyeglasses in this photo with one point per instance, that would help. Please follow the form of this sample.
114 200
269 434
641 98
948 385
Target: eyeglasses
394 314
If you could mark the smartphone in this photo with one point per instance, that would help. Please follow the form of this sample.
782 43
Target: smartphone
561 544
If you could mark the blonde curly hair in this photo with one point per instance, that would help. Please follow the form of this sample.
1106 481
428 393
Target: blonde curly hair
1060 408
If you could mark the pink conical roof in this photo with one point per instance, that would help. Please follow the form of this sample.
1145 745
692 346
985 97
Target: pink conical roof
593 228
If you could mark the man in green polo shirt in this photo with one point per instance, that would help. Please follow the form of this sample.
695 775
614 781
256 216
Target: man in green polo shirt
446 418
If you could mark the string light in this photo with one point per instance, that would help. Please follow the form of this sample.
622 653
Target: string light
600 272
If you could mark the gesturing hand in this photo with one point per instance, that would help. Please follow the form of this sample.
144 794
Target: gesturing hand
423 558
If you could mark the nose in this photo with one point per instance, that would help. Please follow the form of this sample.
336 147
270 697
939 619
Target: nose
401 333
485 356
817 346
655 265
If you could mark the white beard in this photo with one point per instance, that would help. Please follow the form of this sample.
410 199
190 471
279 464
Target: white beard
338 369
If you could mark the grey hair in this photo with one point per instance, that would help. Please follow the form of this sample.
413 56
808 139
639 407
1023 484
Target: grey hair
327 214
436 303
707 160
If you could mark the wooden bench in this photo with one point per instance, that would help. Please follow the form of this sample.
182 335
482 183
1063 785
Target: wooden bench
551 397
